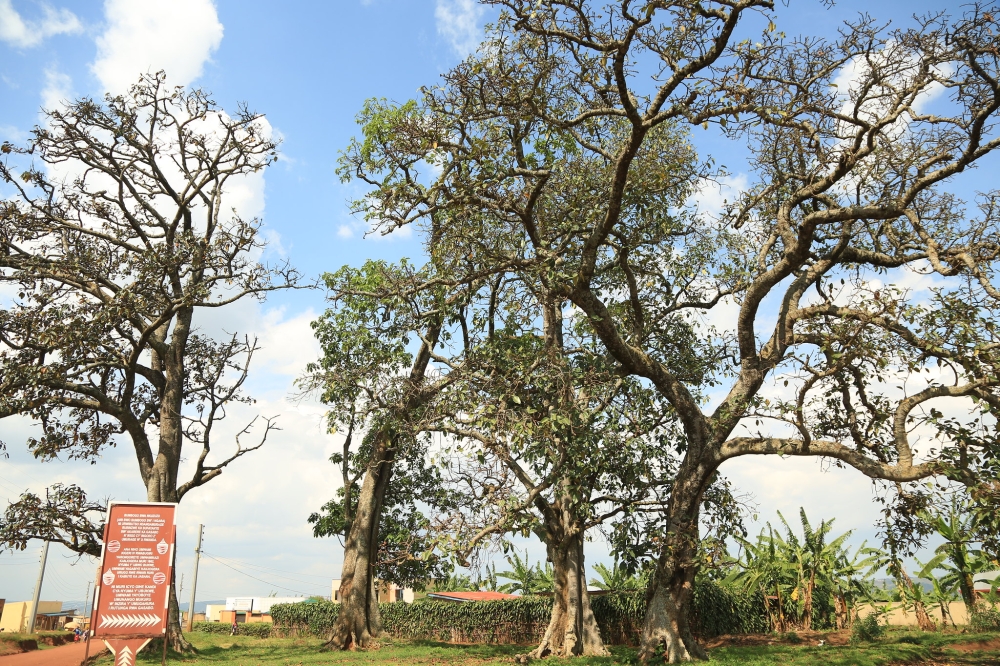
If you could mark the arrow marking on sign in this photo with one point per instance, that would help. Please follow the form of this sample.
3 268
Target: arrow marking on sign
125 657
125 621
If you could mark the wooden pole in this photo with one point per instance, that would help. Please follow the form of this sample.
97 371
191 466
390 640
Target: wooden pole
38 589
194 579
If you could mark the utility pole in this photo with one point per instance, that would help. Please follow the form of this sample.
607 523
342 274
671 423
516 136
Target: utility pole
86 598
194 579
38 589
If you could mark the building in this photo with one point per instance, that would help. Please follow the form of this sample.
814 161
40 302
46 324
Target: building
465 597
212 612
982 581
49 616
384 592
251 609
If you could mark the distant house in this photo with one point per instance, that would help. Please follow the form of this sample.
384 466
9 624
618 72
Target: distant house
212 612
982 581
463 597
384 592
49 616
252 609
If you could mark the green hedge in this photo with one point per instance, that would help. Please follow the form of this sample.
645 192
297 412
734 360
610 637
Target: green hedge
256 629
717 610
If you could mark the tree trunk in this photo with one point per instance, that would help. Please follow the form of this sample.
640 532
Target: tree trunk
359 623
841 612
967 588
572 630
671 589
807 602
159 489
782 626
924 620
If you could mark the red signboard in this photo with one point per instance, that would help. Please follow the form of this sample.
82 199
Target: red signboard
136 571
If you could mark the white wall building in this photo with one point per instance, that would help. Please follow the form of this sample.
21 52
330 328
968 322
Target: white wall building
384 592
258 604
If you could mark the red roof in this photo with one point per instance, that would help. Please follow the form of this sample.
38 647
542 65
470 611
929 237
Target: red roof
471 596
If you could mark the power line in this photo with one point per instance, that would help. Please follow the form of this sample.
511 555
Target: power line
250 565
254 577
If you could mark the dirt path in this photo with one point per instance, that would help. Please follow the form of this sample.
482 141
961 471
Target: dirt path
64 655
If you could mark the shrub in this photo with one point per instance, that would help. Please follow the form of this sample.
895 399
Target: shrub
255 629
985 618
716 610
868 629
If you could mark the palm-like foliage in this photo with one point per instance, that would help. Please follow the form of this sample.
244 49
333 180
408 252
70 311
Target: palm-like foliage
617 579
941 594
525 578
811 577
956 556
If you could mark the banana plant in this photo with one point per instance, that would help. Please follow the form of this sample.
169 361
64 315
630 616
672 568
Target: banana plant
617 579
941 594
524 577
956 556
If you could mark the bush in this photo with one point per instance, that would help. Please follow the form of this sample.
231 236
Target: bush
985 618
255 629
868 629
716 610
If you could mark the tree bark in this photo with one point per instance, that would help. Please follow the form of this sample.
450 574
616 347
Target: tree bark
359 623
967 588
572 629
668 621
807 602
161 478
842 613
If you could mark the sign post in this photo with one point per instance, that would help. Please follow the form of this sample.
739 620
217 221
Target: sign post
131 604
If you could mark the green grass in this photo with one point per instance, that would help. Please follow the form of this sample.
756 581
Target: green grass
899 647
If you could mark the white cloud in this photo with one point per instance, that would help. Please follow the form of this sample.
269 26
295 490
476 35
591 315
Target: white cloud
58 89
22 33
144 36
458 22
711 196
345 231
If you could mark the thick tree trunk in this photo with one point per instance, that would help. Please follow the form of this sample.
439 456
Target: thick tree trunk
572 630
160 489
671 589
161 477
359 623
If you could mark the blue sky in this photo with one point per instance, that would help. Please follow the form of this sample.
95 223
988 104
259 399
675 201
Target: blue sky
309 66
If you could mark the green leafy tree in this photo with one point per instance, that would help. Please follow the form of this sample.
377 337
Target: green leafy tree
852 190
377 391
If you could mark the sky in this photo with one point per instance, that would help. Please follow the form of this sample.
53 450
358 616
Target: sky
309 66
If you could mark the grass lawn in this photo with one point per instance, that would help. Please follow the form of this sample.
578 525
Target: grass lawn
899 647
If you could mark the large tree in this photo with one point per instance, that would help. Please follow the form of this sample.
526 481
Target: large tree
120 230
791 302
379 338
